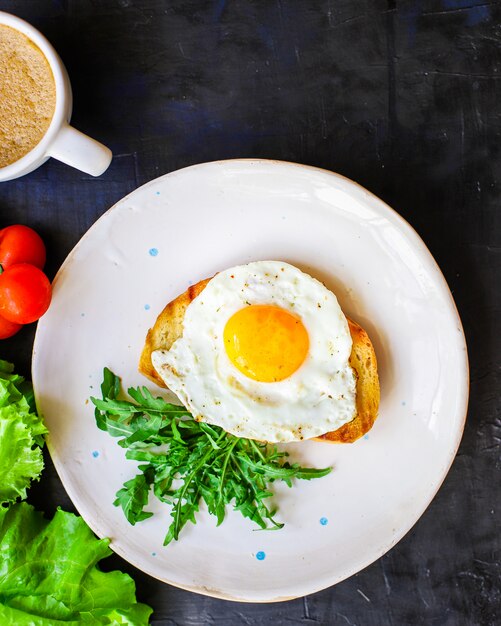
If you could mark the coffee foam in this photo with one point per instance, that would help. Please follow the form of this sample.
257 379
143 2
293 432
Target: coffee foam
27 95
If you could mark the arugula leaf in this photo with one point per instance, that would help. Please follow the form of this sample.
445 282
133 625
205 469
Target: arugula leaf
203 461
133 497
21 435
49 574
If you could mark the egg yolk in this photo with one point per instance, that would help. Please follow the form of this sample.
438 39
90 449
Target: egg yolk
265 342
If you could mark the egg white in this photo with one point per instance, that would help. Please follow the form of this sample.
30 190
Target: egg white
317 398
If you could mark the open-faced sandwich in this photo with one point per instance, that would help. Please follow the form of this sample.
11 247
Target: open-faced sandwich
264 351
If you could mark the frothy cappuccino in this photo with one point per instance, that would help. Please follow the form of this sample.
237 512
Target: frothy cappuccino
27 95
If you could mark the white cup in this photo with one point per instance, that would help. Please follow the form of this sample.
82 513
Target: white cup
61 141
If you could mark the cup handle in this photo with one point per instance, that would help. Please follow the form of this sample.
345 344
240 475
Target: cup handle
78 150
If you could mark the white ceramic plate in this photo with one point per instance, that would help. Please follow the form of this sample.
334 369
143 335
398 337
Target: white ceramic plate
186 226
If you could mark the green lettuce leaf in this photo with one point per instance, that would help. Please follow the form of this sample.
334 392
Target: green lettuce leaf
49 574
21 435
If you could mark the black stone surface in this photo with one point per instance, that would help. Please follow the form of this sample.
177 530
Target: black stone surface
402 96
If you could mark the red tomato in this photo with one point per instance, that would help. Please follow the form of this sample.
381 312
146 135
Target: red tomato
25 293
21 244
7 329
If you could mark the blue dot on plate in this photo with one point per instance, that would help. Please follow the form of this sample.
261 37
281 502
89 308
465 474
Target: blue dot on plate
324 521
153 251
153 554
147 307
403 403
366 436
260 556
95 454
157 193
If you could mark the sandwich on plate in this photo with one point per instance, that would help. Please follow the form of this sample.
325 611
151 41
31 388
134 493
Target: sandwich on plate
264 351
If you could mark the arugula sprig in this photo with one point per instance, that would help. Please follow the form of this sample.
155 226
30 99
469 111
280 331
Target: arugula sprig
185 461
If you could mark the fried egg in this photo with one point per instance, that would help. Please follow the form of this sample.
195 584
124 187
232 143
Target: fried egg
264 354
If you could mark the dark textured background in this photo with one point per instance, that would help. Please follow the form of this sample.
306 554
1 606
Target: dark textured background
402 97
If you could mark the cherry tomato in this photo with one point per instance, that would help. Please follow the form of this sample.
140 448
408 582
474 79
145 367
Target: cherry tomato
7 329
25 293
21 244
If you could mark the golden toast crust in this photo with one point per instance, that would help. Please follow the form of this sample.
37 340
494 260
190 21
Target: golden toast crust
364 364
169 327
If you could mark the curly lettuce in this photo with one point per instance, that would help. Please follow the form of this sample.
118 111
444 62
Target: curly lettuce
21 436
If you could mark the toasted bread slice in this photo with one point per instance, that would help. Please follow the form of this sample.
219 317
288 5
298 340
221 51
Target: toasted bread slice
169 327
364 364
